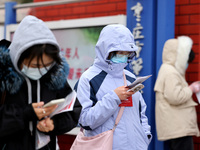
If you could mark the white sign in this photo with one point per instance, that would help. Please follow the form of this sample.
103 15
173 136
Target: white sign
78 46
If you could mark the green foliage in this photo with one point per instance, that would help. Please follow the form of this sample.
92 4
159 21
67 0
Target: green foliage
23 1
26 1
92 33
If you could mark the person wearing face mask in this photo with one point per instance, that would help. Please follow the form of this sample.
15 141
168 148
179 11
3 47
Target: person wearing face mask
35 73
101 91
32 73
176 118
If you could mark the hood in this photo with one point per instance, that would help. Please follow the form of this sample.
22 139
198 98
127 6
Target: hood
176 52
113 37
11 80
31 31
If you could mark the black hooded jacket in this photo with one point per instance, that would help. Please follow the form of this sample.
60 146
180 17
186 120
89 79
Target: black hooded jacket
16 113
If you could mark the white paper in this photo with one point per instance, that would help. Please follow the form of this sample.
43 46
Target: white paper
198 96
42 140
54 102
65 106
136 88
138 80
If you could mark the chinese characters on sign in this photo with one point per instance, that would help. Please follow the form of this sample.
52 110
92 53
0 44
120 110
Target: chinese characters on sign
78 49
69 53
137 32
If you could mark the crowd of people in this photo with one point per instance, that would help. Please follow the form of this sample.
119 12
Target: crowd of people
33 72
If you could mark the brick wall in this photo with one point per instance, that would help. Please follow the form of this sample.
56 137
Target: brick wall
187 22
80 10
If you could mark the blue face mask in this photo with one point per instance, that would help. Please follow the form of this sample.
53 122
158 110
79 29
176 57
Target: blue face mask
119 58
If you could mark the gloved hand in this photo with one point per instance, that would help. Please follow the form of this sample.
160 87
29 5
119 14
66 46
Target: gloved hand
195 86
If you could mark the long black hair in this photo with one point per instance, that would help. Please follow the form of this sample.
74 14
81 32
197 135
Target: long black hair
37 51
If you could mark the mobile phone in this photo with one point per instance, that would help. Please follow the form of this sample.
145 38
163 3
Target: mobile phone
54 102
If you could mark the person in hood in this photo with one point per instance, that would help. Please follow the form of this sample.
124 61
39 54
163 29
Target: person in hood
176 119
101 90
32 72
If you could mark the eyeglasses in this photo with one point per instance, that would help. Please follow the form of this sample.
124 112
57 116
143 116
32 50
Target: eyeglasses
128 54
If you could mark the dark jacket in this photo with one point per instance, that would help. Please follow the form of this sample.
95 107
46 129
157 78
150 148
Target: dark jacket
16 114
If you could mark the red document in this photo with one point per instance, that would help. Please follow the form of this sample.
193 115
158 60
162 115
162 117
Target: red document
127 103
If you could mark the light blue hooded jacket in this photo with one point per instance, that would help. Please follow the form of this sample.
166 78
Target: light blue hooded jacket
100 104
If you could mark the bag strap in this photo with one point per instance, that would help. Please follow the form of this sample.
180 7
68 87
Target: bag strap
118 117
121 109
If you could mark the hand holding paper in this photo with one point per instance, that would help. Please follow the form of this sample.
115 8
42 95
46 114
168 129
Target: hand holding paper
54 102
136 88
195 86
137 84
67 105
63 106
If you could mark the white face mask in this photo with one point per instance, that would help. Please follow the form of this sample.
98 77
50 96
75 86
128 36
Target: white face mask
35 73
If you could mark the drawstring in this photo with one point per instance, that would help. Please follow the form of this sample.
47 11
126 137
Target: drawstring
4 147
125 83
38 91
110 65
30 98
29 101
29 90
38 100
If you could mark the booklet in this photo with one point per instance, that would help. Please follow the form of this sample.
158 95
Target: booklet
138 81
67 105
54 102
135 86
127 103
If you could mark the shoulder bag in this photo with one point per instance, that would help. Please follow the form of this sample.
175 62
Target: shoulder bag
102 141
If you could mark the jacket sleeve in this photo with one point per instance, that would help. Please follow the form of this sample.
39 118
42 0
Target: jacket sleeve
93 116
175 92
66 121
144 119
13 118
